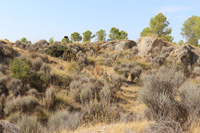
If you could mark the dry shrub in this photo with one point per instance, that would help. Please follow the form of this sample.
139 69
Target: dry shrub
100 112
2 69
32 92
158 93
21 104
88 87
197 71
133 70
37 63
45 68
15 86
164 127
29 124
49 97
63 120
190 93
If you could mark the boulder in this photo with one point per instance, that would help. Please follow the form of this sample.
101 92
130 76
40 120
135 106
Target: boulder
123 45
184 54
150 45
7 127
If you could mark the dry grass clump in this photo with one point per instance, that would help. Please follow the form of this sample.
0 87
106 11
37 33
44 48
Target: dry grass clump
100 112
29 124
63 120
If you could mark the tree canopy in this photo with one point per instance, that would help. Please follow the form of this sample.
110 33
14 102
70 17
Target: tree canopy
191 30
23 39
101 35
158 26
76 37
116 34
87 36
51 40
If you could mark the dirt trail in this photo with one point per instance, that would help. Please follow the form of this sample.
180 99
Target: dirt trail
128 95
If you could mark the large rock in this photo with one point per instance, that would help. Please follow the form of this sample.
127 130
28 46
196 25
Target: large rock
185 54
7 127
150 45
123 45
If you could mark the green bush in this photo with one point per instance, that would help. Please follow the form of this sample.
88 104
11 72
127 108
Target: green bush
20 69
56 50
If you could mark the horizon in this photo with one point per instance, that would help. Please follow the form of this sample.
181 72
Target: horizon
38 20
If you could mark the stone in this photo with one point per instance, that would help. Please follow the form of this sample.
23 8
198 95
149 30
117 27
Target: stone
7 127
123 45
150 46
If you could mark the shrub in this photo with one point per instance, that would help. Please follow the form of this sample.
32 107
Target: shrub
18 43
190 93
85 95
164 127
56 50
159 91
50 96
37 63
33 92
63 120
21 104
197 71
15 86
2 69
41 43
45 68
29 124
136 72
100 112
20 69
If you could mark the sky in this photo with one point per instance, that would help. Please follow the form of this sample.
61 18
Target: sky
43 19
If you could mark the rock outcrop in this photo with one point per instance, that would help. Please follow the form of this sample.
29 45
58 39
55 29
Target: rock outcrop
123 45
150 46
185 54
7 127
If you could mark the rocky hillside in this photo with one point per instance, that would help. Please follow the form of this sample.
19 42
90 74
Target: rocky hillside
70 87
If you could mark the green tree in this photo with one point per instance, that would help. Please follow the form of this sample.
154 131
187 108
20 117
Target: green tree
146 31
158 26
23 39
169 38
51 40
87 36
101 35
181 42
66 40
20 69
191 30
123 35
76 37
116 34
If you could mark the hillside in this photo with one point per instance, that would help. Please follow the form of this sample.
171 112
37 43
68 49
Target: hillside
120 86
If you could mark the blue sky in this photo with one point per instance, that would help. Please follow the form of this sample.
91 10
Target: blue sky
42 19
